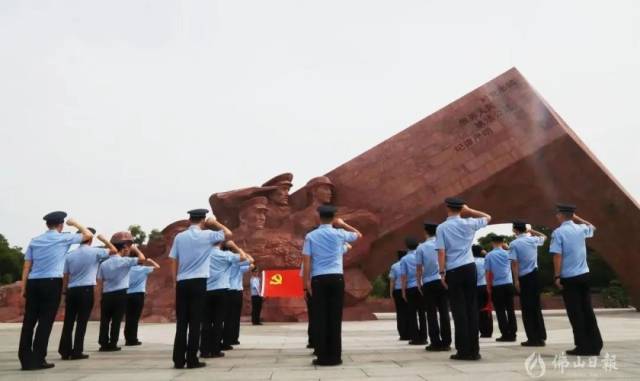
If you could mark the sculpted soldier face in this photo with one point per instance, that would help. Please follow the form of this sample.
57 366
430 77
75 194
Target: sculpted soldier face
253 218
280 196
322 193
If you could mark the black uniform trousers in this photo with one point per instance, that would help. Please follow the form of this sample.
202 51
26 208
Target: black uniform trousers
231 332
256 308
577 301
43 300
215 310
77 310
308 301
437 309
417 321
485 317
328 300
135 304
502 297
531 309
190 296
112 308
463 299
402 315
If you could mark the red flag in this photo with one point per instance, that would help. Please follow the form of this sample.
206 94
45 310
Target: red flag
282 283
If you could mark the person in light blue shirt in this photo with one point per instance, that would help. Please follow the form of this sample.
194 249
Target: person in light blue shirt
42 287
523 252
80 269
114 275
217 300
135 300
569 251
395 292
322 252
485 317
256 296
435 295
454 238
500 283
191 255
417 321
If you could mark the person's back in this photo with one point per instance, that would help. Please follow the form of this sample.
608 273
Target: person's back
326 246
47 253
480 271
569 241
220 266
114 273
456 235
395 274
82 265
427 255
408 266
192 248
524 249
498 263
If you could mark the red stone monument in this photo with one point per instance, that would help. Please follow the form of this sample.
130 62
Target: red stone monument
501 147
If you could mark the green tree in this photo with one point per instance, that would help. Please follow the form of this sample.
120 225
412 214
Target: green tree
155 234
139 236
11 261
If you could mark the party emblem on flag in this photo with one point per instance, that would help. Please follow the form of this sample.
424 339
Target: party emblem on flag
282 283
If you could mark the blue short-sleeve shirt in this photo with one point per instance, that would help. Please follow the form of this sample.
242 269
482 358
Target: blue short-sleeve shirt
255 286
326 246
138 279
82 265
47 251
568 240
221 263
114 273
455 236
498 263
237 272
192 248
427 254
409 268
480 272
394 273
524 249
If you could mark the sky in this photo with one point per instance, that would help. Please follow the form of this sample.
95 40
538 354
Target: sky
133 112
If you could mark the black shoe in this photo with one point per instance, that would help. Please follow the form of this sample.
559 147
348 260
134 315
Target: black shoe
65 357
109 349
417 342
205 355
581 352
309 346
196 365
317 362
46 365
235 343
458 356
178 366
485 336
216 355
227 347
132 343
79 356
505 339
529 343
437 348
256 323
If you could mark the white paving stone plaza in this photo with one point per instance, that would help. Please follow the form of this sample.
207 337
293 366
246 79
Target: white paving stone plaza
371 350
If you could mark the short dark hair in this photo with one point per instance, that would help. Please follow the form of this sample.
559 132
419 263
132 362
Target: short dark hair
411 243
196 219
431 230
121 245
52 225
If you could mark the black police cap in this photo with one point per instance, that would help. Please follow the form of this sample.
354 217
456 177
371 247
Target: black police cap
454 202
198 213
566 208
55 217
327 211
519 225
